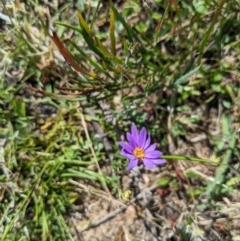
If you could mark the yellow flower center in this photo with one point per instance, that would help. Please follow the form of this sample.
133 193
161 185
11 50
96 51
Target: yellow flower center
139 153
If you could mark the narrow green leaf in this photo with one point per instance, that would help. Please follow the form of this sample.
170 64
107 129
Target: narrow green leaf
84 24
121 19
185 77
210 30
102 48
112 35
70 26
91 61
95 47
89 40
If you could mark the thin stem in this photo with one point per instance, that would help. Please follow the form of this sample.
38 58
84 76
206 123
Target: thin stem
92 151
194 159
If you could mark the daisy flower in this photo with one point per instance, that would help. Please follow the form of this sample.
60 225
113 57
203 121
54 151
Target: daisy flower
139 150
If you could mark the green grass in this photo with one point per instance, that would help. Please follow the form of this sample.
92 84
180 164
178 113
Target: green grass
156 72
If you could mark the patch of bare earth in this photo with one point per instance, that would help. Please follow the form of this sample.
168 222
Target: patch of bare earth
156 214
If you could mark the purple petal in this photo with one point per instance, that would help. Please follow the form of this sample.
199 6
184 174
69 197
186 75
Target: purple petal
151 148
134 132
149 163
126 154
142 137
126 146
159 161
132 140
147 143
132 163
153 154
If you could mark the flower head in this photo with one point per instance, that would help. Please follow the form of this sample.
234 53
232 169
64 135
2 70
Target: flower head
139 150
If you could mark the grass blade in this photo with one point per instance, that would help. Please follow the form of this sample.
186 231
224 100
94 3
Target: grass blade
112 36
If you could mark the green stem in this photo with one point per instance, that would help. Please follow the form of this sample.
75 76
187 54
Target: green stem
194 159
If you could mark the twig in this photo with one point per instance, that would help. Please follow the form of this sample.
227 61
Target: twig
92 150
119 210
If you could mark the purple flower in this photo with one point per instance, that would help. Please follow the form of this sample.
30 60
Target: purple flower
138 149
